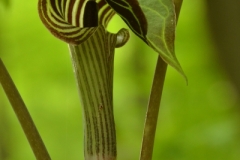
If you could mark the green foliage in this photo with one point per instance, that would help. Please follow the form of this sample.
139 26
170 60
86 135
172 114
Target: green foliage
156 25
161 19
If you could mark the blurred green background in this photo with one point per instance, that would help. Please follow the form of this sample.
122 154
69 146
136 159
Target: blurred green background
197 121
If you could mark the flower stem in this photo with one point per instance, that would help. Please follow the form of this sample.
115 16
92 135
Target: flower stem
154 102
23 115
153 109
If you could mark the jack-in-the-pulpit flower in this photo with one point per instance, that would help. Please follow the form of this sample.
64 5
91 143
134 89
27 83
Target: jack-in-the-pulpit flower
82 24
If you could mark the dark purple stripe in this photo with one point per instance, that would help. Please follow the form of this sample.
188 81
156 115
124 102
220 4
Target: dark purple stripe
138 25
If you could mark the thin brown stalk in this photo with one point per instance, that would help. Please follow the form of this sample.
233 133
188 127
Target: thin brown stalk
23 115
153 109
154 102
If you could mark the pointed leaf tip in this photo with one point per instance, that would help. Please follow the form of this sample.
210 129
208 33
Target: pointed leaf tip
161 18
154 22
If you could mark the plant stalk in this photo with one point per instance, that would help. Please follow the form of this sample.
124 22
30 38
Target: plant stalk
23 115
153 110
154 102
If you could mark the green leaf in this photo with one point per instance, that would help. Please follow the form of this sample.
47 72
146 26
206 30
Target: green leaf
154 21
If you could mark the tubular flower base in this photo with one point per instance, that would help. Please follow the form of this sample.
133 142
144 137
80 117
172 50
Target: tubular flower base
93 67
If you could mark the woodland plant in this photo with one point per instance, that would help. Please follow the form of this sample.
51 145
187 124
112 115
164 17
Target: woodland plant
82 24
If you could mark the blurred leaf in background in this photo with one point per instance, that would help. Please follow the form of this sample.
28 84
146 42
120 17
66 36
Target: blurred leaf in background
5 2
198 121
224 20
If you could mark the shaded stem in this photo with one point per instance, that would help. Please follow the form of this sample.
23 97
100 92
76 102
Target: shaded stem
153 109
23 115
154 102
